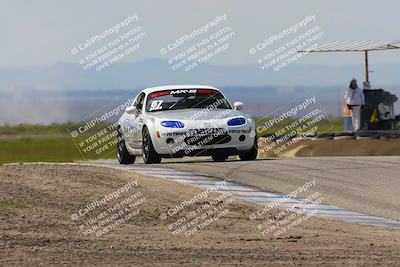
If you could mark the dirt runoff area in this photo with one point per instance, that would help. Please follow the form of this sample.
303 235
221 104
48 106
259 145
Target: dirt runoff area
46 212
320 148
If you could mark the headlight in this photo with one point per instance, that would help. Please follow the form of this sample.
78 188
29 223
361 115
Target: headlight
236 121
172 124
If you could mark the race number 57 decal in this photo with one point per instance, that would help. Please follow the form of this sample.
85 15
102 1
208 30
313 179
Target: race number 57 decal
156 105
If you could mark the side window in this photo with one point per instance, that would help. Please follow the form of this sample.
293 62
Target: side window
139 101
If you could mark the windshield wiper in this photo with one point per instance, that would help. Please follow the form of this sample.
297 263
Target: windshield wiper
177 102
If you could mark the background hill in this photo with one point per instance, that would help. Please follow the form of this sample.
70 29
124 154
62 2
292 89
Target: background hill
64 92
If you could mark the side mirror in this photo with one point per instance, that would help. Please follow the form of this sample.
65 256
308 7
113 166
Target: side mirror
131 110
238 105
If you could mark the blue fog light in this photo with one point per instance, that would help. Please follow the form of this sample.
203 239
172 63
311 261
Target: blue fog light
172 124
236 121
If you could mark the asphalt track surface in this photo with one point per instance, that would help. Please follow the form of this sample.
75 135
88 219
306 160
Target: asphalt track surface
369 185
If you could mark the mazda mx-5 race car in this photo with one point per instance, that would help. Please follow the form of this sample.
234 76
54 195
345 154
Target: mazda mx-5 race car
184 120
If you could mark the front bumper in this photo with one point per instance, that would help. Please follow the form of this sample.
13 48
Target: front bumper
202 142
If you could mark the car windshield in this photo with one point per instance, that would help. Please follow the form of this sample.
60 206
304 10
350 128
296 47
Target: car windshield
186 98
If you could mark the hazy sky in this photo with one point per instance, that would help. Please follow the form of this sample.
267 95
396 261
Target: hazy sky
43 32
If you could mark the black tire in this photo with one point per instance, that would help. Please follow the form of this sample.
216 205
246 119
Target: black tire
251 154
123 155
219 157
149 153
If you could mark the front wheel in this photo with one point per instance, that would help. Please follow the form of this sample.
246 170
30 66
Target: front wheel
123 155
250 154
149 153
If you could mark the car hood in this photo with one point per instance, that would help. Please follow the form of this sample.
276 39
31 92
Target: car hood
196 114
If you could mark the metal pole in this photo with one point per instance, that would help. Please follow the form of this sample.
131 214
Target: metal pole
366 66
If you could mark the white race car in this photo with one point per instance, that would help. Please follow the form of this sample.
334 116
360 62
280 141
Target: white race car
184 120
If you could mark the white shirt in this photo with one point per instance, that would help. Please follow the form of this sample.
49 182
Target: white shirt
354 97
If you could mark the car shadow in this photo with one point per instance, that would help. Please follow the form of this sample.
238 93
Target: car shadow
194 161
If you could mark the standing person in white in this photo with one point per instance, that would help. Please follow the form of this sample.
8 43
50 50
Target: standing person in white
354 99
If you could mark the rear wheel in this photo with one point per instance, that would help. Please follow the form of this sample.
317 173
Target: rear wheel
123 155
251 154
219 157
149 153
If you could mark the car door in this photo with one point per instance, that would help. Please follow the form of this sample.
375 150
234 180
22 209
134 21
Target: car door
139 121
130 124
